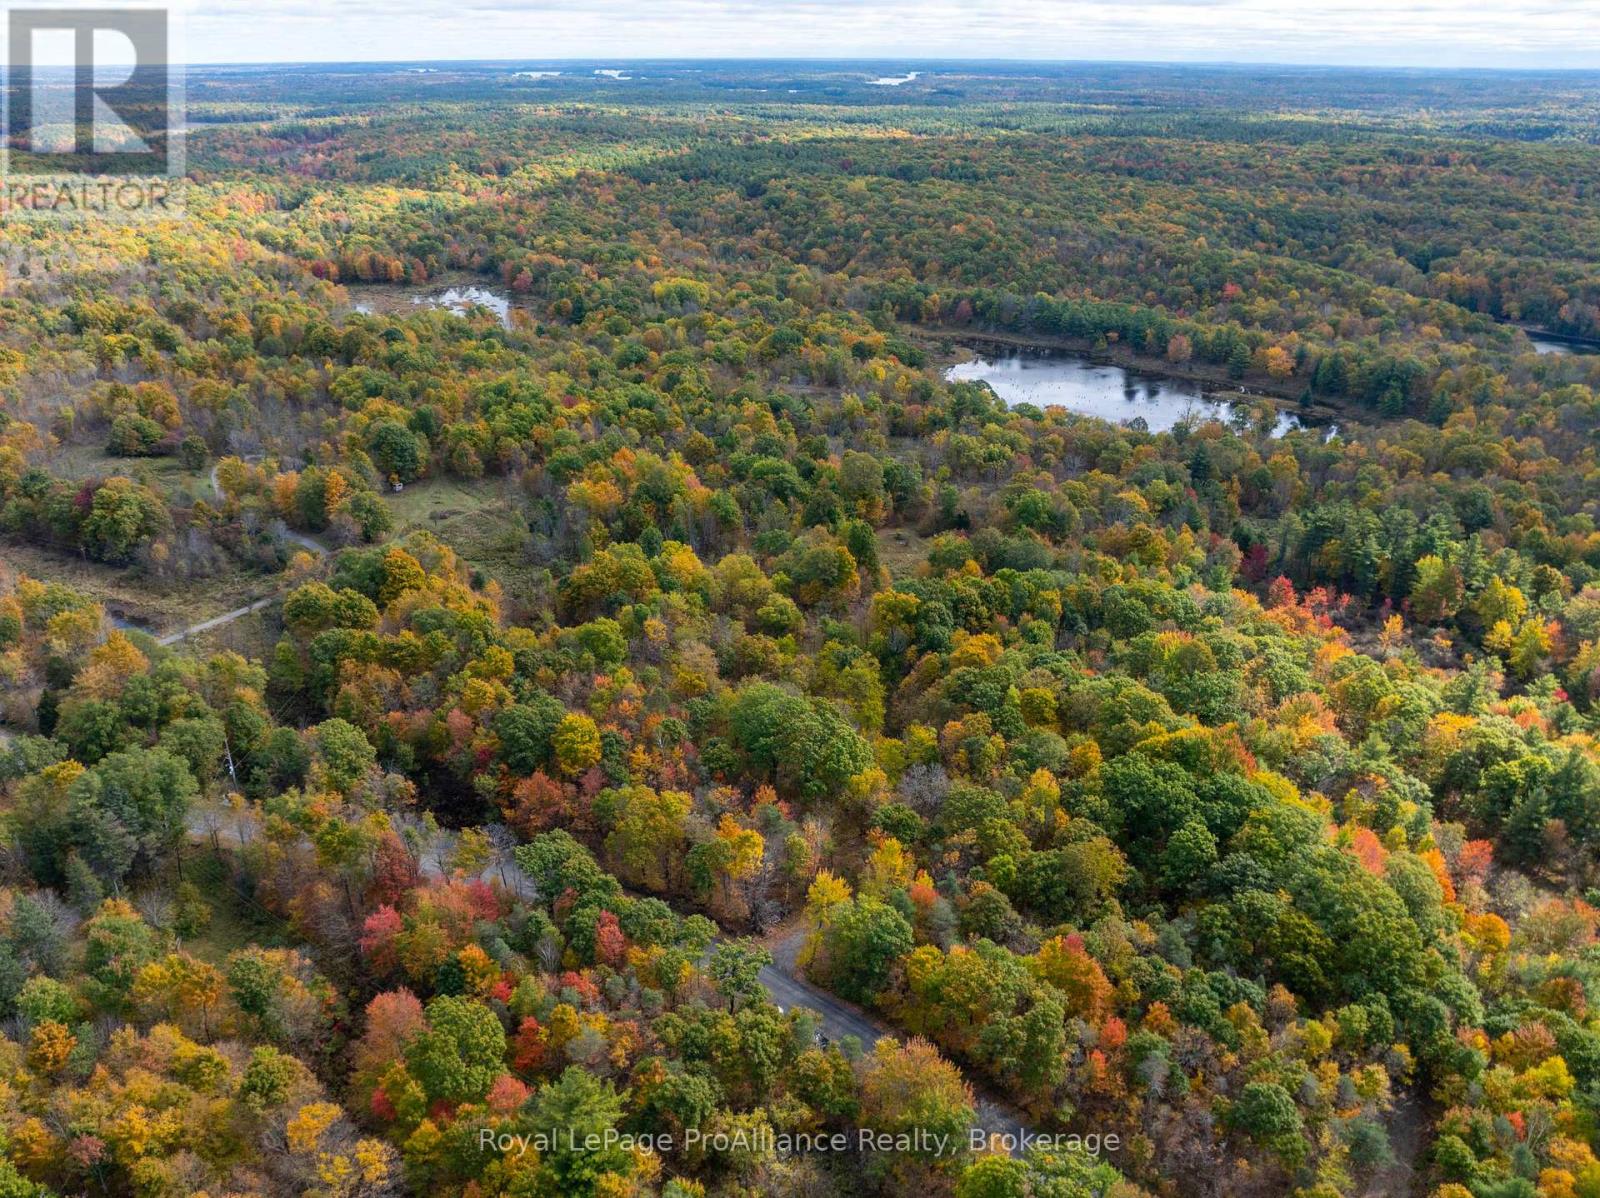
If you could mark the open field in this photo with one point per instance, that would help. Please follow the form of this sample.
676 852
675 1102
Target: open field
435 501
236 921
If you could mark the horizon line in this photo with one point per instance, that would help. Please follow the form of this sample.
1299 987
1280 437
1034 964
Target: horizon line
963 60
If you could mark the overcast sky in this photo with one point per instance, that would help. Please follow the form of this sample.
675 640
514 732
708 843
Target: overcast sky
1477 33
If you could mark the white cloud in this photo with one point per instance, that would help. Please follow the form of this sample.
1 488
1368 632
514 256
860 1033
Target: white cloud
1519 33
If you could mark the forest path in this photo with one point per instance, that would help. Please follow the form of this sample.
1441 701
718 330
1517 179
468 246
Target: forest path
228 617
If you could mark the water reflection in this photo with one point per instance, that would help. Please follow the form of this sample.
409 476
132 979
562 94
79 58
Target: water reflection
1545 344
1109 392
378 299
462 300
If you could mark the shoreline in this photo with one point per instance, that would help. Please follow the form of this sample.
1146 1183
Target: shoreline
1218 386
1582 345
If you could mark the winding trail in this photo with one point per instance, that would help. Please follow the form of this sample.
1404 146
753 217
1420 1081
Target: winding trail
228 617
299 538
837 1019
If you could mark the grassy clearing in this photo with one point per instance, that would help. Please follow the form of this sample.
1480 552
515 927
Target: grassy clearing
494 542
902 550
125 592
477 520
165 475
434 501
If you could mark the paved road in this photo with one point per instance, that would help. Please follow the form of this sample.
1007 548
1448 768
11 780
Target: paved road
839 1019
836 1020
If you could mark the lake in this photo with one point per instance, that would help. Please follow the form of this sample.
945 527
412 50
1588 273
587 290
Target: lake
1046 379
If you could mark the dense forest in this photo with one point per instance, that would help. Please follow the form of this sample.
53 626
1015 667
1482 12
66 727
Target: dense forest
674 741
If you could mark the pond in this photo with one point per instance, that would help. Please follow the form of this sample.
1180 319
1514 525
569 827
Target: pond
462 300
459 298
1046 379
126 623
